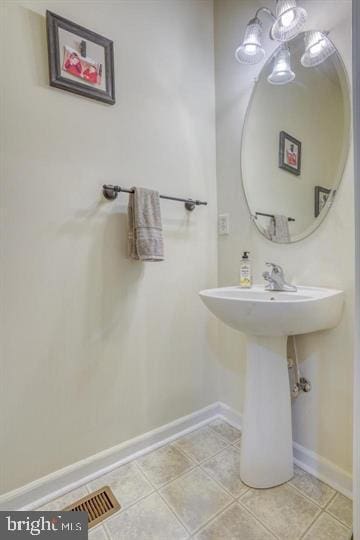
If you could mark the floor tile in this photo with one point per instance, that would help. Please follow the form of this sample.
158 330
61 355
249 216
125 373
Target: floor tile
164 465
341 508
225 430
201 444
327 528
225 468
195 498
126 482
98 533
282 509
235 523
66 500
149 519
316 490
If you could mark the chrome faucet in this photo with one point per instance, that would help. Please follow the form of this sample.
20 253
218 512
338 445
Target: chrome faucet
276 279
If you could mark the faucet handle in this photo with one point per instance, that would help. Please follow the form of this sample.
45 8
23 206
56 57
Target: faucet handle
276 267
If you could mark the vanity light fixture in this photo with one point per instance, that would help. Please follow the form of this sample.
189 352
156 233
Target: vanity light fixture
287 24
282 72
251 51
318 48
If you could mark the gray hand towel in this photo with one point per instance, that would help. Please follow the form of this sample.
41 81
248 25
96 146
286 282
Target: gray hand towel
145 228
278 229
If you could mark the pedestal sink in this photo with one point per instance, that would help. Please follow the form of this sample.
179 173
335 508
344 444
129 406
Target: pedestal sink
268 318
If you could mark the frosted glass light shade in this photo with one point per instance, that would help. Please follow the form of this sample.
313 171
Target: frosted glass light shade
290 20
318 48
282 72
251 51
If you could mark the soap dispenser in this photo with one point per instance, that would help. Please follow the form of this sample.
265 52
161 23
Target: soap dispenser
245 271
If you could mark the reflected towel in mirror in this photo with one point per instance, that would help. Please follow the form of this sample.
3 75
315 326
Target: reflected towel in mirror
278 229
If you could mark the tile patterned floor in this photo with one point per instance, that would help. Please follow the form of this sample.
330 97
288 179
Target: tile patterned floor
191 489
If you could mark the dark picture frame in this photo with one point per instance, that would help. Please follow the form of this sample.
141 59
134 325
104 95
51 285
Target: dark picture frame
289 153
321 197
57 76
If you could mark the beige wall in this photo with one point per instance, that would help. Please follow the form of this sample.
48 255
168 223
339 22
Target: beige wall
97 349
322 419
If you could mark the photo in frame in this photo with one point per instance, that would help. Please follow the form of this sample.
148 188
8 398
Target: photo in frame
321 196
289 153
80 61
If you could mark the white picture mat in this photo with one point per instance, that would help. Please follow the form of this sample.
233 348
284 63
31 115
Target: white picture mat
93 51
287 148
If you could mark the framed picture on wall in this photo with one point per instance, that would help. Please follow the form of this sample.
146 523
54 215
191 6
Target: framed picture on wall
289 153
80 61
321 197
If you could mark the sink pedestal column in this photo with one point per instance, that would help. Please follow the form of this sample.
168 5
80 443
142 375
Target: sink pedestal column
266 448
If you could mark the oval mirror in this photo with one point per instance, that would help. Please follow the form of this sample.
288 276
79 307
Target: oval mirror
294 146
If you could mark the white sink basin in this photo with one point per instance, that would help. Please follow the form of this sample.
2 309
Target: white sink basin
268 317
269 313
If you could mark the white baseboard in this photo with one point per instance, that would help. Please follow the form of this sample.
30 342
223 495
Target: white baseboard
323 469
230 415
306 459
58 483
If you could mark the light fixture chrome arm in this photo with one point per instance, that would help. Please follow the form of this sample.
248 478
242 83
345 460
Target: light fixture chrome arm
267 11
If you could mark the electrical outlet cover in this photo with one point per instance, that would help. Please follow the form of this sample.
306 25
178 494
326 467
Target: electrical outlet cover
223 224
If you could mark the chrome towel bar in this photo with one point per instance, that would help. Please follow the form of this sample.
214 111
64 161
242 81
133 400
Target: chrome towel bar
111 192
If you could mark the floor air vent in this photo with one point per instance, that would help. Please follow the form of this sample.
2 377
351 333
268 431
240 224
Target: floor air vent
99 505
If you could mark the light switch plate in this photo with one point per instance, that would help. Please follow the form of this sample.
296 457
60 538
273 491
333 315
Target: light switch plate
223 224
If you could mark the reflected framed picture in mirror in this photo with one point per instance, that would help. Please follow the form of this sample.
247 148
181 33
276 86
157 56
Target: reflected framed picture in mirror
321 197
289 153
